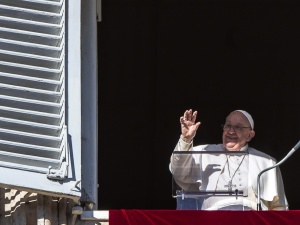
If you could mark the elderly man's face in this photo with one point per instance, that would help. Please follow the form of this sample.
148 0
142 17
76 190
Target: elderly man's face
237 132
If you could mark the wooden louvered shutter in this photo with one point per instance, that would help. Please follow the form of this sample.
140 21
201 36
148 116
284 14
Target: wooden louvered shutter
34 151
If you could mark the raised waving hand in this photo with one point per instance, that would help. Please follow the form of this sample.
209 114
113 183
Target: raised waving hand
188 125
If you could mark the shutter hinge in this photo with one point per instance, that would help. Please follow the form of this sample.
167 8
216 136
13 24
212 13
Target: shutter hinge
58 174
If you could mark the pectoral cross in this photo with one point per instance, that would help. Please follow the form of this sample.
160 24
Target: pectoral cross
230 185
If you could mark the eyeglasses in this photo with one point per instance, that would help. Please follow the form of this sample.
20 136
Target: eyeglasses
236 128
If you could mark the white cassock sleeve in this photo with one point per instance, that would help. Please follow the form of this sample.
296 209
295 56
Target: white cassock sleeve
185 167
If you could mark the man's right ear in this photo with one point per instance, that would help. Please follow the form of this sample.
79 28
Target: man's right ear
251 135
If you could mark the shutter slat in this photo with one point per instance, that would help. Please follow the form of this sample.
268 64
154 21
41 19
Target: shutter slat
32 116
30 37
29 160
32 71
33 105
41 5
28 14
28 82
28 48
30 138
26 149
30 93
31 26
30 59
30 127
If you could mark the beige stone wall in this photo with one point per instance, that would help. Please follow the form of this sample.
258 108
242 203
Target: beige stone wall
24 208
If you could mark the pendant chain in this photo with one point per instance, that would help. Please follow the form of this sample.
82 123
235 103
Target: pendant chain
231 177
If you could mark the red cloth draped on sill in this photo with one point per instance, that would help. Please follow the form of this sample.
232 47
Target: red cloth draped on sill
201 217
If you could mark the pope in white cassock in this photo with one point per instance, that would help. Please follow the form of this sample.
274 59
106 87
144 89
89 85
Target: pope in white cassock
215 172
